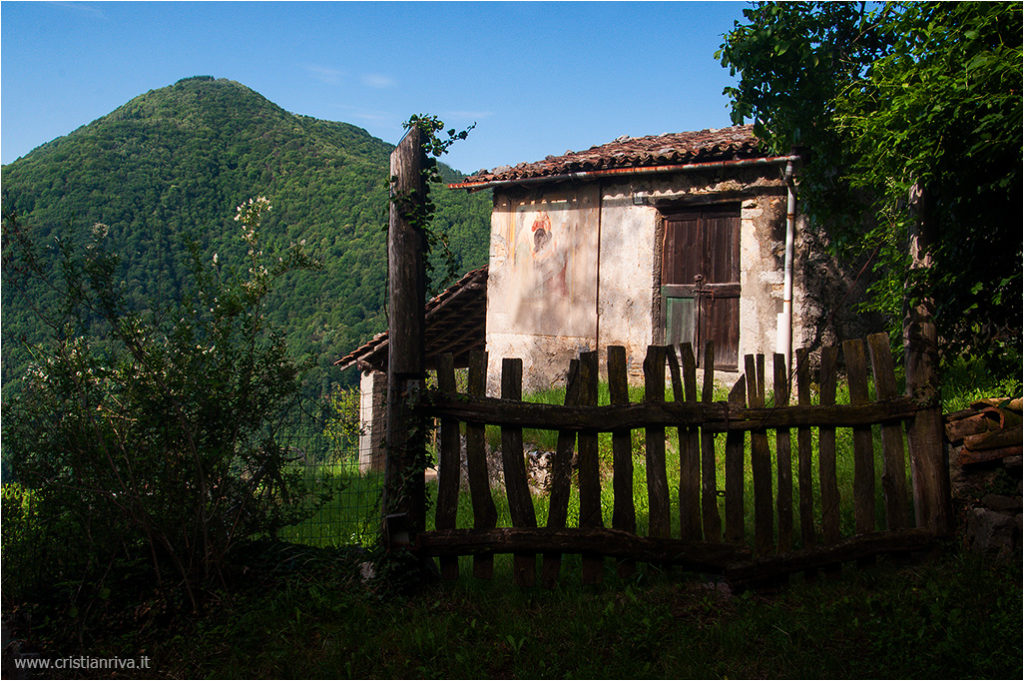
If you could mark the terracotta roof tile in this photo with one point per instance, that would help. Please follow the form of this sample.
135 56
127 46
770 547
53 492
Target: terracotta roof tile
636 152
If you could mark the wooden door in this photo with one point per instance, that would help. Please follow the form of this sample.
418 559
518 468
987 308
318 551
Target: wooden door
700 272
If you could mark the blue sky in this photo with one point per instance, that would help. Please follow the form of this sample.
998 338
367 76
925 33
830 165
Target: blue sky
537 78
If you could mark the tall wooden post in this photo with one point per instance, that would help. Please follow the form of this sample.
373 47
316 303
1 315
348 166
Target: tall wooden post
928 458
404 493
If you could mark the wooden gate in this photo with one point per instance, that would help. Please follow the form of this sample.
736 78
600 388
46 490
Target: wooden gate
796 521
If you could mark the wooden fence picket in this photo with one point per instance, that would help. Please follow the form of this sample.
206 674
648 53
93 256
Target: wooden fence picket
560 478
689 453
783 457
676 379
827 450
760 460
589 471
623 509
804 452
734 444
520 503
894 478
658 508
449 466
485 515
709 473
863 449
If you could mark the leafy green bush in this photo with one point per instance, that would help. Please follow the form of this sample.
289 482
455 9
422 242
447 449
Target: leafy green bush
966 380
343 427
153 436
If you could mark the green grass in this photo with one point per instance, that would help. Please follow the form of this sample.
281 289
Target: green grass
953 617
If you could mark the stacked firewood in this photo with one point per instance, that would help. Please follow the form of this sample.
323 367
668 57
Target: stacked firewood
990 430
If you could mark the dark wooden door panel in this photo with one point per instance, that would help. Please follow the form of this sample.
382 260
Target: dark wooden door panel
722 245
681 254
700 281
722 325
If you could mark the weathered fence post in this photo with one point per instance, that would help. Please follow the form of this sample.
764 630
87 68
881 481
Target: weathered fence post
517 487
561 478
783 457
894 479
863 449
804 451
928 459
588 471
827 475
689 446
404 493
760 459
734 440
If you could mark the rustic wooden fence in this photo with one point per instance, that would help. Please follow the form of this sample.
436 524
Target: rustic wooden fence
704 541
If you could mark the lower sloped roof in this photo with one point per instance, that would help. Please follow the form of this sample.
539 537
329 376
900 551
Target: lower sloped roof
455 320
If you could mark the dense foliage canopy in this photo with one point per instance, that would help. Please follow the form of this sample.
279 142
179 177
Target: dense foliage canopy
889 97
169 166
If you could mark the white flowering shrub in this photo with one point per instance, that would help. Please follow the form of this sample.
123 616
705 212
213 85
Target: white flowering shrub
154 436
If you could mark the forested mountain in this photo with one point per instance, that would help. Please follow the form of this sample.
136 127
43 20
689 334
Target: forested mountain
172 165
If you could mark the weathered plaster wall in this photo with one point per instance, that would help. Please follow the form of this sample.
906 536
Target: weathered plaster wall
762 256
627 282
373 388
612 295
542 282
830 291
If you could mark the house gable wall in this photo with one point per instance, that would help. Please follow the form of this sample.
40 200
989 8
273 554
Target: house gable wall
611 234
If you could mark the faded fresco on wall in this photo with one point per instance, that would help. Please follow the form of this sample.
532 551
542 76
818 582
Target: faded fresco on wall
542 258
553 266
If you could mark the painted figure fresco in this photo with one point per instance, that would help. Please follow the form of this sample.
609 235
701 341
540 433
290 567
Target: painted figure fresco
542 278
541 257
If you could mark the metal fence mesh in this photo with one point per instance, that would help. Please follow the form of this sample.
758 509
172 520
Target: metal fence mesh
343 503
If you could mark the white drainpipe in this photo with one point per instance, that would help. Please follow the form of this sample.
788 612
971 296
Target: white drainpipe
785 322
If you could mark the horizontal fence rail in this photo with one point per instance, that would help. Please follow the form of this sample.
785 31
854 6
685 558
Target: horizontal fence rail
707 540
716 417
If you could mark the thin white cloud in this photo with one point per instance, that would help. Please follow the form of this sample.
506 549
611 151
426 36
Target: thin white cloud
378 80
324 74
81 7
